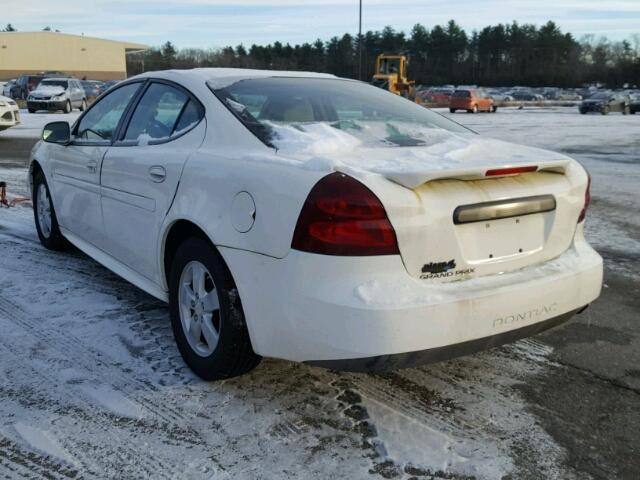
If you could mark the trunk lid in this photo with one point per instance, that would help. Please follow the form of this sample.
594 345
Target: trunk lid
471 228
465 224
452 221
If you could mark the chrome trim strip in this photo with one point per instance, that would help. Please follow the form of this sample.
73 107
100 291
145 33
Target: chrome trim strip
513 207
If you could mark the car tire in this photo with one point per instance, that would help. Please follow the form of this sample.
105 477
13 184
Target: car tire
452 110
605 110
474 109
31 110
583 112
204 298
67 107
494 109
45 216
626 110
83 105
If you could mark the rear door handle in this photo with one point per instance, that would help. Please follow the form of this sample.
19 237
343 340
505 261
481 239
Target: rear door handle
92 166
157 173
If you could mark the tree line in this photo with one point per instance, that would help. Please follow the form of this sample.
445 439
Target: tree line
497 55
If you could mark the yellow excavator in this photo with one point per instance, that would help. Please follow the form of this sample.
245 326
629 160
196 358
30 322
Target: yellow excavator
391 74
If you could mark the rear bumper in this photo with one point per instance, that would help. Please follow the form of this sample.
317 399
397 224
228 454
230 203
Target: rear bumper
438 354
364 312
592 107
460 105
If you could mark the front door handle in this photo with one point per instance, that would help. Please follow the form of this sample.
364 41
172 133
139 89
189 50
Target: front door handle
157 173
92 166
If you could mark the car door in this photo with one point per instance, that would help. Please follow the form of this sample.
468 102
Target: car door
76 166
141 171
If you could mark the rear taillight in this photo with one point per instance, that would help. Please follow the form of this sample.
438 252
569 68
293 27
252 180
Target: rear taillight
587 199
343 217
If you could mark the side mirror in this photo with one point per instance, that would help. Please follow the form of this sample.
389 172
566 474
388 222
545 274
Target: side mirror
57 132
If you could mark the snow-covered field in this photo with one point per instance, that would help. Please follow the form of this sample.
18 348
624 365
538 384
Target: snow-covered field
92 385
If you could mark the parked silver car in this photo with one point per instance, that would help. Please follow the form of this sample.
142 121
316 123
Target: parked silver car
57 94
6 88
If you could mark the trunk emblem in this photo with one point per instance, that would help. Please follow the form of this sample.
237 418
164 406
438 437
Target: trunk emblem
438 267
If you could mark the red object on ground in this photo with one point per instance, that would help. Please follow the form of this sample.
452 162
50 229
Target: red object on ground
5 201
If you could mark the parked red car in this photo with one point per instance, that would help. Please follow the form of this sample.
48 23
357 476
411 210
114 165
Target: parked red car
471 100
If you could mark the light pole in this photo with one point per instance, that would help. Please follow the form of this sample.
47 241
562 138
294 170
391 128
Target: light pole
360 43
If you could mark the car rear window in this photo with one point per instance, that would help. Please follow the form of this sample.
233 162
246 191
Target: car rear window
271 106
462 94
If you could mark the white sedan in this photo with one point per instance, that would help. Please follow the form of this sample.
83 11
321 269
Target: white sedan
9 113
315 219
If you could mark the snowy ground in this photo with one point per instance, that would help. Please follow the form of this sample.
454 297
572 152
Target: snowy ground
92 385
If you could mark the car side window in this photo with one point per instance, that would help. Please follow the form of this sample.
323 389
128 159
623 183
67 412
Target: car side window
191 114
162 111
101 121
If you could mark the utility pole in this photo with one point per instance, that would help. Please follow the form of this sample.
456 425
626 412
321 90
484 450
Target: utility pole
360 43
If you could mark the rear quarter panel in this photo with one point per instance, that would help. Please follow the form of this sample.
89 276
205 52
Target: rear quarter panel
210 182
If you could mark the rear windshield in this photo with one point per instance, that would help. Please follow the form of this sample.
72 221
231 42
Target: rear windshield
54 83
274 107
462 93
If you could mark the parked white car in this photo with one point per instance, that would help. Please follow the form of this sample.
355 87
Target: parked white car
315 219
57 94
9 113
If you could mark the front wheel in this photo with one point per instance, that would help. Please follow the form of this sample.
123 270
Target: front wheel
494 109
605 111
626 110
474 109
67 107
206 313
452 110
83 105
45 216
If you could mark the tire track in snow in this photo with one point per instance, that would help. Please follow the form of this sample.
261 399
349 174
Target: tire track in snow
169 366
18 463
98 364
120 450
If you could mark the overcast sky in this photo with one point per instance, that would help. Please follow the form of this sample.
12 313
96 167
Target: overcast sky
215 23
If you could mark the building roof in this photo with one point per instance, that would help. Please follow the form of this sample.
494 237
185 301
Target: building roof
128 46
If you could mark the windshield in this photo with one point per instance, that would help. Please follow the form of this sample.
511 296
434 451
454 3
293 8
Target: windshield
271 107
601 96
54 83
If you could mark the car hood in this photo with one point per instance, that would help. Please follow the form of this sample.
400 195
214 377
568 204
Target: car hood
53 90
6 100
444 154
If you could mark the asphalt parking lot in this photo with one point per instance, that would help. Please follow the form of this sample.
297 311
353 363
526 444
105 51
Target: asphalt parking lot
93 385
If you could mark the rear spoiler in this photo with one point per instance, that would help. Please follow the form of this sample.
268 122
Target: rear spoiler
415 178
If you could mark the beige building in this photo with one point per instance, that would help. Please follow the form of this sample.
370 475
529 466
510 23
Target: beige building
80 56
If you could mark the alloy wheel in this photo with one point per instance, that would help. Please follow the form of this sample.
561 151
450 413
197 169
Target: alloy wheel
43 209
199 308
